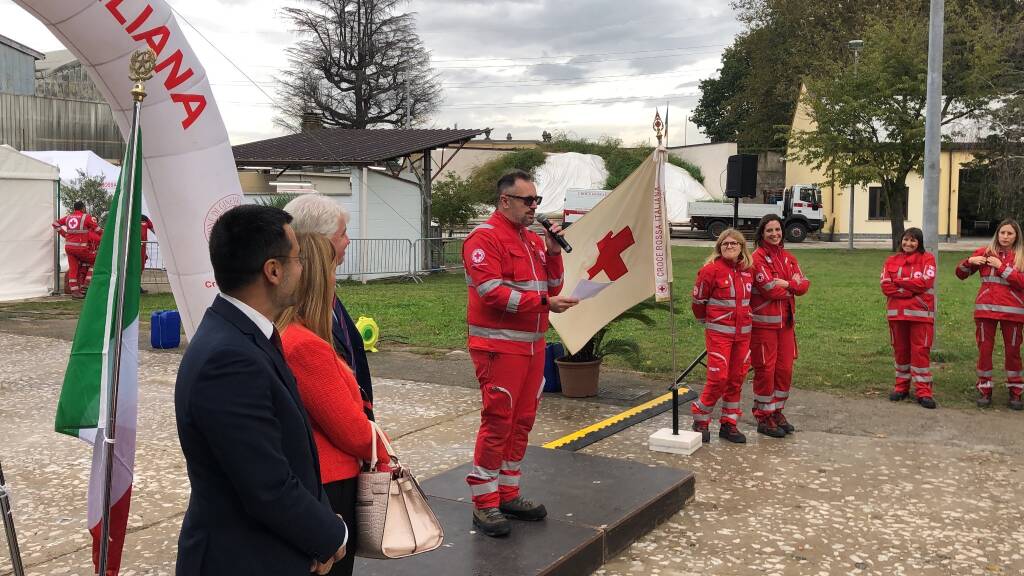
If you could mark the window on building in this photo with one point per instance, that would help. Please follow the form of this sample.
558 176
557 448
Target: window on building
878 205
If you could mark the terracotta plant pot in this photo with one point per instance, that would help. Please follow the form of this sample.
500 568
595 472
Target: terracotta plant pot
579 379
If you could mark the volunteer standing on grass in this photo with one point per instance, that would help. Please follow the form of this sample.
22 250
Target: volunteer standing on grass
778 280
1000 301
721 302
908 280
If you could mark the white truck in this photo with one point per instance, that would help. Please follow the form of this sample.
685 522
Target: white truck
800 209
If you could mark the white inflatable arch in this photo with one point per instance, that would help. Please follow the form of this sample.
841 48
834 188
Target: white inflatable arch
189 175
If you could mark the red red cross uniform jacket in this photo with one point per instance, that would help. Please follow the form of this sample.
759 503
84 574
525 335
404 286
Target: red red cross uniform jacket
77 228
773 341
721 303
510 277
1000 301
908 281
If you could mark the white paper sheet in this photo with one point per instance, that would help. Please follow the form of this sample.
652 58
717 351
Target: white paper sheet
588 289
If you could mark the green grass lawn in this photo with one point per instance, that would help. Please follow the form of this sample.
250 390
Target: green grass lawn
841 329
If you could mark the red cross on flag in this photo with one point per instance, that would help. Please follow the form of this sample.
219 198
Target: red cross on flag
620 254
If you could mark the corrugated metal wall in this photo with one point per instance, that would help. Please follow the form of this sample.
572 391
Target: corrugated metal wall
32 123
17 72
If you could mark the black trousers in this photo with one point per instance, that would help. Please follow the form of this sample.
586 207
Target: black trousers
342 495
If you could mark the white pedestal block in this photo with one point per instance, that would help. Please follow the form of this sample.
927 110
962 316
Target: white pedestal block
686 442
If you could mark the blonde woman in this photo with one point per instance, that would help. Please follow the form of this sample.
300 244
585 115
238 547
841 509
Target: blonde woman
1000 301
721 303
327 386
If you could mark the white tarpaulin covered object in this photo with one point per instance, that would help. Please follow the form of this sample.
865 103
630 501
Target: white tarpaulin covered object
85 161
561 172
567 170
27 197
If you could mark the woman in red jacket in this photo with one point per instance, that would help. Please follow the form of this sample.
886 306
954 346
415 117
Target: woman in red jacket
777 281
908 280
327 387
1000 301
721 303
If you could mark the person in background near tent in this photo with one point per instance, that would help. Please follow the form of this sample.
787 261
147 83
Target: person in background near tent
316 214
514 279
147 227
1000 301
75 228
908 281
85 270
721 303
777 281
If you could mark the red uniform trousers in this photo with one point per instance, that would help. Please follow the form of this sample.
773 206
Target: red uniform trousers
772 351
985 335
728 363
80 261
912 347
510 385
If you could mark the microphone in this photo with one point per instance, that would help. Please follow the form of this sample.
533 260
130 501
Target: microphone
558 238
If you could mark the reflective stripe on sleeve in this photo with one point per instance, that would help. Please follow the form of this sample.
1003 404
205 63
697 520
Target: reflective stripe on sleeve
487 287
502 334
513 302
994 280
720 302
923 314
535 285
994 308
767 319
1006 273
554 282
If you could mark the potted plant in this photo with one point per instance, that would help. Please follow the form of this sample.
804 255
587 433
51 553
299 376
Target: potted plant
581 371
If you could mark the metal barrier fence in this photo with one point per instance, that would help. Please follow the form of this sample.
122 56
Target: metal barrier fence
367 258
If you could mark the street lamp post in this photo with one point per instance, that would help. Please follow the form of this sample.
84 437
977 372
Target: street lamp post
855 46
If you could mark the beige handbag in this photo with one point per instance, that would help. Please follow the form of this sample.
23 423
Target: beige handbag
393 518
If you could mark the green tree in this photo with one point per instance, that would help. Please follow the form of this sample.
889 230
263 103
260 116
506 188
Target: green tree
1001 162
88 189
869 119
452 203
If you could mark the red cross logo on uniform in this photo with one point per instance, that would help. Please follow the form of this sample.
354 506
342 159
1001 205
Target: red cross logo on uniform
609 258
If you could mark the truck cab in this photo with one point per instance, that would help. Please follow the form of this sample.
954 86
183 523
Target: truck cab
799 206
801 209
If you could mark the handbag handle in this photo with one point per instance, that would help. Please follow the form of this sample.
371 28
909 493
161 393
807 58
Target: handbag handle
374 431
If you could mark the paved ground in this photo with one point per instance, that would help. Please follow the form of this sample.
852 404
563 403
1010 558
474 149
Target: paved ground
865 486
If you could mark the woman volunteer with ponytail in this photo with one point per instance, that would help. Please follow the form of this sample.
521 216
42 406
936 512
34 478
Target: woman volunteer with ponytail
777 281
1000 301
908 280
721 303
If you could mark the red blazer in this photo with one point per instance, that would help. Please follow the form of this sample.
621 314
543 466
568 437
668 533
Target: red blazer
1001 294
331 396
774 306
721 297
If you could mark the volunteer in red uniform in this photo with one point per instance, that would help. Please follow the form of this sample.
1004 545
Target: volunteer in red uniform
147 227
75 228
514 279
1000 301
908 281
721 303
777 281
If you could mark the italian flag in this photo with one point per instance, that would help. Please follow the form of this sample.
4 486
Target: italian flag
82 410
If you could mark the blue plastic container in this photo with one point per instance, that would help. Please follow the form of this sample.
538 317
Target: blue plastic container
552 381
165 329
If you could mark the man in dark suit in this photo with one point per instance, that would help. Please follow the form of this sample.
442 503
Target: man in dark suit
316 214
257 506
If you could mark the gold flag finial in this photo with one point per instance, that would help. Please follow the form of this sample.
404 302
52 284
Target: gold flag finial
141 69
658 126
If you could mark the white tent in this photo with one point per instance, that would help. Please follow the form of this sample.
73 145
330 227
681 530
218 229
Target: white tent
70 163
587 171
28 204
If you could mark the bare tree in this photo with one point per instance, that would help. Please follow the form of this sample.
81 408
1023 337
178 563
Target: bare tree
358 64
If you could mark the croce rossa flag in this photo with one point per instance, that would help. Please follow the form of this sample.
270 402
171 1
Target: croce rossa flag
82 410
621 250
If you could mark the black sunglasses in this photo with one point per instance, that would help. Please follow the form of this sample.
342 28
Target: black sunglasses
528 200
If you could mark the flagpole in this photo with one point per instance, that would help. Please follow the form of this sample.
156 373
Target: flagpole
142 64
662 159
12 536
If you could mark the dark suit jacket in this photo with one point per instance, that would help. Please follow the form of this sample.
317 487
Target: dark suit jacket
257 506
348 343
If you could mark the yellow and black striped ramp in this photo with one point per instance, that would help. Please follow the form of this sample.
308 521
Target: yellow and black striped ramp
609 426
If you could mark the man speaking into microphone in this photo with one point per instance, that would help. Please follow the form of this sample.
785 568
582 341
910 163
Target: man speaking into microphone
514 280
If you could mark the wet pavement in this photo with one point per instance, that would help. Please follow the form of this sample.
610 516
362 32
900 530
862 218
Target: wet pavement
864 487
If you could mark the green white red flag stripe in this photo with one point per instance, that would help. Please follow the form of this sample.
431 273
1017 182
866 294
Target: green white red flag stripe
82 409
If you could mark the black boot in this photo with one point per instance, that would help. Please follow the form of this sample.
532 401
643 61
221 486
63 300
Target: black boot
705 432
520 508
927 402
766 426
1016 401
984 400
491 522
897 396
730 433
782 423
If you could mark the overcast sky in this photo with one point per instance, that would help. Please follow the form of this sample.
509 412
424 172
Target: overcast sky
588 67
